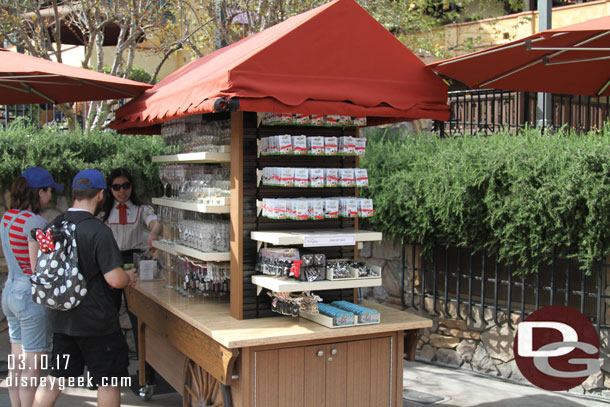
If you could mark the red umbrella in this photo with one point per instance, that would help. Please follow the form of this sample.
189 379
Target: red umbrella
569 60
334 59
25 79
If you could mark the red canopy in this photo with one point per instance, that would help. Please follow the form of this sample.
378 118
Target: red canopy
26 79
335 59
568 60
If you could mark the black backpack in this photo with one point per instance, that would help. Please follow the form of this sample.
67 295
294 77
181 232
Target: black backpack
56 282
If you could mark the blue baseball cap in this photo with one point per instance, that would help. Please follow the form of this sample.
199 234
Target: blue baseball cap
96 179
40 178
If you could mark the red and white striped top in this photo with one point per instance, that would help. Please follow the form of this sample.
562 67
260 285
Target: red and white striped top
18 240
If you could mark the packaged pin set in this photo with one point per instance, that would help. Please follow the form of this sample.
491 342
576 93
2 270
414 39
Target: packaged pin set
292 304
346 269
286 144
317 208
364 315
286 262
295 119
314 177
339 317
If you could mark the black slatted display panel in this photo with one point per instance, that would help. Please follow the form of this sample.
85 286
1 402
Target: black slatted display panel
259 306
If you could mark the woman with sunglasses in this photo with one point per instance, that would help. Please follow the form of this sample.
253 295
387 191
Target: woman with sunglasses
134 226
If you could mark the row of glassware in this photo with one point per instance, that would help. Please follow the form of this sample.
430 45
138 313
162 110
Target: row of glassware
205 184
204 232
196 278
194 134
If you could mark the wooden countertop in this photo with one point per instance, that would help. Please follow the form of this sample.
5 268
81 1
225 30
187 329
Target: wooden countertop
212 316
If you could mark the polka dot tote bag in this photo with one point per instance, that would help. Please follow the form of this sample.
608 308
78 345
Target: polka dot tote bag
56 282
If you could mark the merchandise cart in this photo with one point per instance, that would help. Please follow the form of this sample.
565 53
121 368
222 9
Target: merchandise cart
233 350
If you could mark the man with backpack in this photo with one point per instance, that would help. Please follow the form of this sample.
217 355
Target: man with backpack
89 334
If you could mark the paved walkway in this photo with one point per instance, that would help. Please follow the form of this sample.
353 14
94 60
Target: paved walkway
459 388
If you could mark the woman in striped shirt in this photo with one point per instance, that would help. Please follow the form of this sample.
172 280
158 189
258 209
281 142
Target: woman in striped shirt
28 331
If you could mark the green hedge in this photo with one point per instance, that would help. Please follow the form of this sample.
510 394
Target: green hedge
524 196
65 153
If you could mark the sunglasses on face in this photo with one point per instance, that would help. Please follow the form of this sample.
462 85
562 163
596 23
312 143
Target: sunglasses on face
117 187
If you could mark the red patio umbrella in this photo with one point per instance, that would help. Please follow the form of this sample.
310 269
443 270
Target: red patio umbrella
569 60
26 79
334 59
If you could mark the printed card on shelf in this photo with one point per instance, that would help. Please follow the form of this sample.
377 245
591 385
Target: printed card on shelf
331 146
317 119
300 209
362 177
285 144
316 178
302 119
331 208
301 177
315 145
365 208
347 177
317 209
332 177
333 120
299 145
360 146
287 177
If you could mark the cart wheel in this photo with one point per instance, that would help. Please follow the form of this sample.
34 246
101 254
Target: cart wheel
202 389
146 392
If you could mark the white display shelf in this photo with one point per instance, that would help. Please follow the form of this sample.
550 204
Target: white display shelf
285 285
194 158
317 238
195 254
222 205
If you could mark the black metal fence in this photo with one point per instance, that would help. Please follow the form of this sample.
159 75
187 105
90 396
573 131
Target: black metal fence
38 114
457 282
487 111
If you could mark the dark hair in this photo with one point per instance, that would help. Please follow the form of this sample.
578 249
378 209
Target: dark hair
84 194
25 198
109 201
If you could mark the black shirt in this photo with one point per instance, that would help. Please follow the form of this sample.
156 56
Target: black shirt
98 254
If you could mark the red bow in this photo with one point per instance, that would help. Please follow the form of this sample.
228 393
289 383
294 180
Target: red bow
46 242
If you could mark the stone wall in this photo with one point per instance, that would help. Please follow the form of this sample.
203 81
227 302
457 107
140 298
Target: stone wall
476 343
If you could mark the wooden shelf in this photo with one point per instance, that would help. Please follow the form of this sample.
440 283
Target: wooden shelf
195 254
194 158
317 238
284 285
221 207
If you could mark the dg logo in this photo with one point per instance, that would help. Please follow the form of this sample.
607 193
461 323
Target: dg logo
556 348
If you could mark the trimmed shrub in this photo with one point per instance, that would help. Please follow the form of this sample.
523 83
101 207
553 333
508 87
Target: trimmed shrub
65 153
526 196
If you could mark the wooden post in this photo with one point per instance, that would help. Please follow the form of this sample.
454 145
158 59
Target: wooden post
237 214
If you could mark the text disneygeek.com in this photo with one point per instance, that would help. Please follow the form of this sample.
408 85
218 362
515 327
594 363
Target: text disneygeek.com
60 363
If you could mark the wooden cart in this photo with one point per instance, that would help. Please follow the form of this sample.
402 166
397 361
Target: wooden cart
234 352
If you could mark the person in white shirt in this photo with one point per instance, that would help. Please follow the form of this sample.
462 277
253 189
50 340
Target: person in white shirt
134 226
